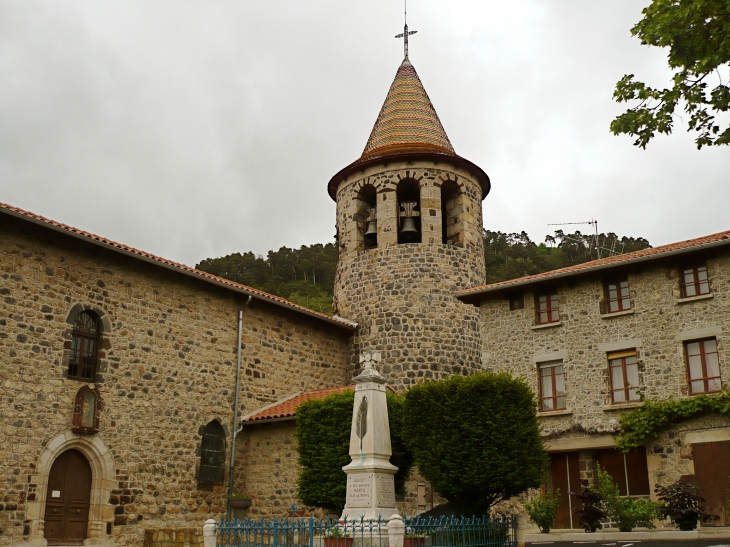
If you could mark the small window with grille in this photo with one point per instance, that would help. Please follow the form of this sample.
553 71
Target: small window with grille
212 454
84 347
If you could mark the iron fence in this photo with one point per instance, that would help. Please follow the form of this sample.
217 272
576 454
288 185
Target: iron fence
497 531
418 532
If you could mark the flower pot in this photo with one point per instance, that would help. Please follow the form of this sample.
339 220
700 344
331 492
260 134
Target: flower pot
338 542
414 542
240 503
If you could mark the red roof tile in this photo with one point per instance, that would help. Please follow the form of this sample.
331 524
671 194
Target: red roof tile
713 240
175 266
286 407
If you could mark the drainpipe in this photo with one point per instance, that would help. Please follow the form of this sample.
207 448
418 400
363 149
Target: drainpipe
235 406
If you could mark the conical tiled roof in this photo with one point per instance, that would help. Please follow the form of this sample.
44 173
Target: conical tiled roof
408 121
408 128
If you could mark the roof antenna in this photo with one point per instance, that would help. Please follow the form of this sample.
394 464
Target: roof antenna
405 31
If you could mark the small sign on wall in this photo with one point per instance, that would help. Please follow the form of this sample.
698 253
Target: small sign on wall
55 493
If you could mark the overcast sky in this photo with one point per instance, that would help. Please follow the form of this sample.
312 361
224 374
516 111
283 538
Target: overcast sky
197 129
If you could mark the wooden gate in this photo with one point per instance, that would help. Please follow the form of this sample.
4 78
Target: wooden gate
67 500
566 476
712 469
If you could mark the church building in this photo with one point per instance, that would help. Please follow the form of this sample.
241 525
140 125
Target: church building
119 368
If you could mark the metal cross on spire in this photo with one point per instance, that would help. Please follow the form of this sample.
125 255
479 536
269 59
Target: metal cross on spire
405 31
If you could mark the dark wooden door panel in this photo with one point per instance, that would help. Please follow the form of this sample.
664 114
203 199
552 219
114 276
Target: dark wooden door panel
566 476
712 470
67 500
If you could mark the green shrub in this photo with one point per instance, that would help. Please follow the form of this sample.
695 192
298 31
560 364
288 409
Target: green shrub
475 439
543 511
323 439
625 511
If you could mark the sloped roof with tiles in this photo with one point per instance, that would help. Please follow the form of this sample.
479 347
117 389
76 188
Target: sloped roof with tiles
174 266
654 253
408 126
285 409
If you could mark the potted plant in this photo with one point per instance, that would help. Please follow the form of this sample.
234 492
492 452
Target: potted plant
240 500
681 503
337 536
543 511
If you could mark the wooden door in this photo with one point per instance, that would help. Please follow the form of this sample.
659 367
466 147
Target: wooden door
712 469
629 471
566 476
67 500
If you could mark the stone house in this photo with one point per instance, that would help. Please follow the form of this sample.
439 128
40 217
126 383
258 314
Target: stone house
118 368
595 339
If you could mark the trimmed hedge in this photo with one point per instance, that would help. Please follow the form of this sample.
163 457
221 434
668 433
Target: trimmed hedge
323 436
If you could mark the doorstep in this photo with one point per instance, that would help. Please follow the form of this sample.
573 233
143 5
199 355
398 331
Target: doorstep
645 535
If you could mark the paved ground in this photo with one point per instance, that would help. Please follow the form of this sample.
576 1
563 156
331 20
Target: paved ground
663 543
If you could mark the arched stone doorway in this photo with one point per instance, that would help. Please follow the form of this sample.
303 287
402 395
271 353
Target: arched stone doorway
67 499
103 480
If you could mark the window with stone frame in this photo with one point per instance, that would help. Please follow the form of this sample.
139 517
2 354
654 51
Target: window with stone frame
694 281
552 386
617 297
212 454
703 366
85 338
452 208
546 307
516 301
624 376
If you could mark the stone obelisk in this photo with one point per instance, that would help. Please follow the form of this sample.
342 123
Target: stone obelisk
370 485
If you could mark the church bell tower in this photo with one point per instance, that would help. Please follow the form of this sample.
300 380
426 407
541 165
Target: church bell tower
409 224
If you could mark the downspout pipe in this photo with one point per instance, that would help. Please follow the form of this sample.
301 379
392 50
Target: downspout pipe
231 468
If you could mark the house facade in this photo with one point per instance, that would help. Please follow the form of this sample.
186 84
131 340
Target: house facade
596 339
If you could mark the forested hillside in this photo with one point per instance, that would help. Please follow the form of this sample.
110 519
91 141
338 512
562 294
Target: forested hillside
306 275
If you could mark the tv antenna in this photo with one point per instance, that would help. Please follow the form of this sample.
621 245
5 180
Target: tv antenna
596 244
405 34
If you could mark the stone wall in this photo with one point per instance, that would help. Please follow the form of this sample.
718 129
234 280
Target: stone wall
656 327
167 368
402 294
174 537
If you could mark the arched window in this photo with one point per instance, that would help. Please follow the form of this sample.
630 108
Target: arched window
84 347
409 211
87 407
366 217
451 207
212 454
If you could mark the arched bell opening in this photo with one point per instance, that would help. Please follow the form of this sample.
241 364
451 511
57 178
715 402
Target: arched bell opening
366 217
451 208
409 211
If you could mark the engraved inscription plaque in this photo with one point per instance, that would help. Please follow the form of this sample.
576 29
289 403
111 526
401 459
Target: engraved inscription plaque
359 490
386 491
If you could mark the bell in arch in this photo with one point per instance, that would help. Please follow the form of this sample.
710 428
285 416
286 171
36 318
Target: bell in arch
409 226
372 228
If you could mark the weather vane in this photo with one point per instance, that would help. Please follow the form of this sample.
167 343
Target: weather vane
405 31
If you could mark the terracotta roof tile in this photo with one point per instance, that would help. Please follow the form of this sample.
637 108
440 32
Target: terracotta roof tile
175 266
286 407
721 238
407 120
